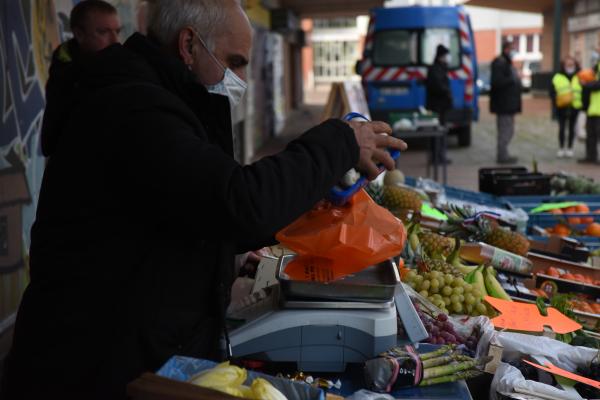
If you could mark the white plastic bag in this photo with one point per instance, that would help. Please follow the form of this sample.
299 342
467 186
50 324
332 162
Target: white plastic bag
508 380
558 353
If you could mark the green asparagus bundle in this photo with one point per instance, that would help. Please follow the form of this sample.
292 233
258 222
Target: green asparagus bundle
404 367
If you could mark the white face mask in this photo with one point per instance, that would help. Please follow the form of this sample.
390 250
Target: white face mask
231 86
570 70
447 59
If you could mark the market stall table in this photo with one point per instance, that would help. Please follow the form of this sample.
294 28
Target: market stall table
438 139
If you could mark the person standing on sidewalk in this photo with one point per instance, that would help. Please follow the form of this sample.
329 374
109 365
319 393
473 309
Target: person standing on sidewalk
439 96
505 101
591 103
565 93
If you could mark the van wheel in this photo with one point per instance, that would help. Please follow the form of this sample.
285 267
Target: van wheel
464 135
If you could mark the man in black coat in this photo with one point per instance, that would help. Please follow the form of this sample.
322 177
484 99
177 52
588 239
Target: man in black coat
95 25
505 101
142 206
439 96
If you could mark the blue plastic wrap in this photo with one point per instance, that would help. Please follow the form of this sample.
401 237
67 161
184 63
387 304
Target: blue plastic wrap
182 369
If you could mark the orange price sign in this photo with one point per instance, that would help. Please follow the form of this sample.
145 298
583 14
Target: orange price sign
553 369
527 317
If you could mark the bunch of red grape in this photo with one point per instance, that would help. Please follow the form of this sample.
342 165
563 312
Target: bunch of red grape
441 331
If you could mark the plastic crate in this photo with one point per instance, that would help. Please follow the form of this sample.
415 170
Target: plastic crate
514 183
546 220
486 176
485 199
590 242
529 202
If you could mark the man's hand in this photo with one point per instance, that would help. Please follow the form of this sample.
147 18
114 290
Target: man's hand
373 140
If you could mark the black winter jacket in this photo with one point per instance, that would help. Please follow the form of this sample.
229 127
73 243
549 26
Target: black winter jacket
141 211
439 96
505 94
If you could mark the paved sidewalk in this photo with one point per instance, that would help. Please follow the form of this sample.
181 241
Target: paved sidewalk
536 137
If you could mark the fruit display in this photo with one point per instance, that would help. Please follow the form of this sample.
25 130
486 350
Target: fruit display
468 225
401 198
565 274
575 220
441 330
585 306
563 184
434 243
450 293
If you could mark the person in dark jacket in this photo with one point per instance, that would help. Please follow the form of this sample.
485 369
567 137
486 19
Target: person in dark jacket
591 105
505 101
439 96
142 206
95 25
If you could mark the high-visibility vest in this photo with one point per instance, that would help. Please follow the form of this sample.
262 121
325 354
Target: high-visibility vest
577 92
594 108
569 91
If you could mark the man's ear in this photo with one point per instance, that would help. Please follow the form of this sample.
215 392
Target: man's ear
78 34
185 46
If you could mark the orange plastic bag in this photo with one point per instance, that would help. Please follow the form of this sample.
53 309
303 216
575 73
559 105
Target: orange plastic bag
334 241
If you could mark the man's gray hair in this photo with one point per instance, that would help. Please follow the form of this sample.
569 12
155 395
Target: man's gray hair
168 17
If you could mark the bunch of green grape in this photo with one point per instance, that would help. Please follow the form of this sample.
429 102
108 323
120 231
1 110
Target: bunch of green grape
449 293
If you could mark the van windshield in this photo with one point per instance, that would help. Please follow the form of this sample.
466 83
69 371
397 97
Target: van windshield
431 38
414 47
395 48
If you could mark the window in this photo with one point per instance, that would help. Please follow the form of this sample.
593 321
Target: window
334 61
447 37
530 39
320 23
593 5
395 48
403 47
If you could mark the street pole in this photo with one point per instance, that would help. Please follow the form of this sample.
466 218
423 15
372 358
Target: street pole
557 34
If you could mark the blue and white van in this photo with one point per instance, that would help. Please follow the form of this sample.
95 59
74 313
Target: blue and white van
401 44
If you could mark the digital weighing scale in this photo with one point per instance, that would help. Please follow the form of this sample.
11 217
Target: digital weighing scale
323 326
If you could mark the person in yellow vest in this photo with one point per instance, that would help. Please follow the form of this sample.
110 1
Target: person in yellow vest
591 103
566 95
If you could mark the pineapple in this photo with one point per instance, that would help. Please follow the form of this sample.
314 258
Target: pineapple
375 191
427 264
395 197
435 244
485 230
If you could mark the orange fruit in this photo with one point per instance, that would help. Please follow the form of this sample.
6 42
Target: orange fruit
569 210
553 272
582 208
593 229
568 276
574 220
586 75
561 230
556 211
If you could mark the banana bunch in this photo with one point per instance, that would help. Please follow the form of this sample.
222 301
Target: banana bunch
484 279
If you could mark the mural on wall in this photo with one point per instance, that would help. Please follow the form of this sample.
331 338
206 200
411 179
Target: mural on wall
30 30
